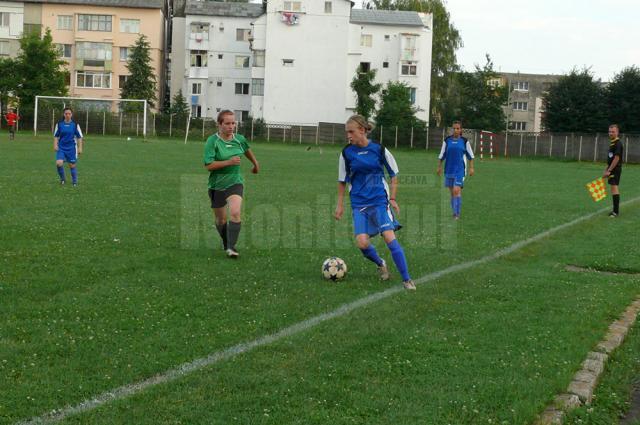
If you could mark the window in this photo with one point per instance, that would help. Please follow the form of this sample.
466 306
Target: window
293 6
94 23
64 49
242 61
518 125
4 19
125 52
121 80
130 25
89 51
32 28
520 106
199 32
257 87
287 62
220 56
366 40
364 67
242 34
196 111
198 59
258 58
4 48
328 7
196 88
96 80
219 83
521 85
241 115
412 95
242 88
385 64
494 82
409 68
65 22
387 37
408 46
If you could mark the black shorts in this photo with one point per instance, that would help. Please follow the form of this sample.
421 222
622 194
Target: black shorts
12 129
219 197
614 177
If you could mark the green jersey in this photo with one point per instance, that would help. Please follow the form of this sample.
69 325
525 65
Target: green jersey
217 149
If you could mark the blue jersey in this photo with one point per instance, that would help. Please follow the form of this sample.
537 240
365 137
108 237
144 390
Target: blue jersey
455 152
67 132
363 169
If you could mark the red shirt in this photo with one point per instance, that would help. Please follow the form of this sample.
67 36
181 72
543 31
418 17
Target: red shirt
11 118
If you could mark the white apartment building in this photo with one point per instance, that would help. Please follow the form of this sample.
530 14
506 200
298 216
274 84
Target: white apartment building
211 56
294 62
11 26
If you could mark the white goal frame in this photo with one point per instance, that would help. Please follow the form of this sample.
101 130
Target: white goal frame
35 119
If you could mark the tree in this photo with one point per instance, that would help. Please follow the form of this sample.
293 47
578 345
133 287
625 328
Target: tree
481 101
179 105
39 69
575 103
141 82
396 108
622 99
446 40
8 79
362 84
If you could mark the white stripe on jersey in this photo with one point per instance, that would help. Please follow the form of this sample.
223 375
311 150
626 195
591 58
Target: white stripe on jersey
55 130
442 150
469 150
342 169
391 161
79 131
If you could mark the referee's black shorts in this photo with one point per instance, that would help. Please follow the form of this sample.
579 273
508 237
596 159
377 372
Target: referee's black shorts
219 197
614 177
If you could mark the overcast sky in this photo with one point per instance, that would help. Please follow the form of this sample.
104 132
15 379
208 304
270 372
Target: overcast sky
548 36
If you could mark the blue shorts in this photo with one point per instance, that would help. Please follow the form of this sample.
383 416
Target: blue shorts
374 220
68 155
452 180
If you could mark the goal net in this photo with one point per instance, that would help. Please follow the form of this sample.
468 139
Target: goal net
124 117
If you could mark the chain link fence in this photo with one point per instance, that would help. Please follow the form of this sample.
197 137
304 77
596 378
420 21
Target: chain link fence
570 146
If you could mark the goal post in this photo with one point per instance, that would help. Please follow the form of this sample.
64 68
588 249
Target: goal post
91 104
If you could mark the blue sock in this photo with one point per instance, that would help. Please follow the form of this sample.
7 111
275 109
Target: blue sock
458 205
74 175
398 257
61 173
371 253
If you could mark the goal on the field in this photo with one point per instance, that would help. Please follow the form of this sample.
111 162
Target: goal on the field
95 115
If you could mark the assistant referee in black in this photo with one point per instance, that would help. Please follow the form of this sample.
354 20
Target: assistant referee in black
614 167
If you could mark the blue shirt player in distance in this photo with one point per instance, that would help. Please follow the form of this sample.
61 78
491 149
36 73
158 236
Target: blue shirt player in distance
455 152
67 143
361 165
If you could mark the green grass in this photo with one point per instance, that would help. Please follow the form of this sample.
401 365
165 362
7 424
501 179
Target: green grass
117 280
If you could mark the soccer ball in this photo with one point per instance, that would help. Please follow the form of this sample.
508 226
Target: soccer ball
128 138
334 269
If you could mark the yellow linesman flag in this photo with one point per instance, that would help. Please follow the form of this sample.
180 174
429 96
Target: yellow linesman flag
597 189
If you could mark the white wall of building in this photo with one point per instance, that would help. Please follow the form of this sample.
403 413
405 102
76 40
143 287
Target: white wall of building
218 76
387 47
312 88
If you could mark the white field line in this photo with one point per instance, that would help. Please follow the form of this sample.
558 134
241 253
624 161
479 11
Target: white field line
125 391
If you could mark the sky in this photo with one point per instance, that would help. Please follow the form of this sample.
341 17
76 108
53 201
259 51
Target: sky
548 36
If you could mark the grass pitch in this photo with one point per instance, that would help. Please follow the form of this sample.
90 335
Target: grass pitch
123 278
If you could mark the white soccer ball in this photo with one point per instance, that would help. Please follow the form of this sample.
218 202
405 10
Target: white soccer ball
128 138
334 269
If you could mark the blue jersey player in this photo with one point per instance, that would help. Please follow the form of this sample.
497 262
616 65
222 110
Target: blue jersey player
67 143
362 164
456 150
